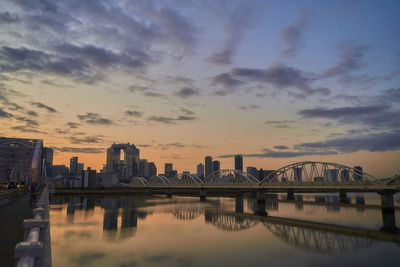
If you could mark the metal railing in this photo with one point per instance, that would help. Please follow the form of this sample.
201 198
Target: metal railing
36 249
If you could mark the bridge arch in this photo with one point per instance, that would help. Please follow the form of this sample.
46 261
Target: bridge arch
139 181
185 179
226 176
317 240
158 180
315 171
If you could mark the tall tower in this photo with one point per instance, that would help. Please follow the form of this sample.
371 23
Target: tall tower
216 165
208 165
167 169
152 169
200 170
73 165
239 162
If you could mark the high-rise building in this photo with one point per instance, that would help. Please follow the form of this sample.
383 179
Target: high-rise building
208 166
125 164
239 162
297 174
345 175
216 165
358 172
73 165
79 168
252 171
173 174
144 168
48 157
200 170
168 169
271 177
88 178
152 169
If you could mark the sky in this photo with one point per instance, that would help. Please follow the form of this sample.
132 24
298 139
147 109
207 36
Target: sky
276 81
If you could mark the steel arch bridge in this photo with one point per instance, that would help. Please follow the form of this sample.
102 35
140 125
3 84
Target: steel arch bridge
321 241
318 172
185 179
230 223
226 176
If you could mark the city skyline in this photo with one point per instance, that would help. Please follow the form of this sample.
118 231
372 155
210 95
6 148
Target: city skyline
275 82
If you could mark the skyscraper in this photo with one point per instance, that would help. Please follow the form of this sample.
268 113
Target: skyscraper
144 168
200 170
73 165
152 169
216 165
126 164
167 169
48 157
208 165
239 162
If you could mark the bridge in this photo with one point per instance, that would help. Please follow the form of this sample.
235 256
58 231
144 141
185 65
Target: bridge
300 177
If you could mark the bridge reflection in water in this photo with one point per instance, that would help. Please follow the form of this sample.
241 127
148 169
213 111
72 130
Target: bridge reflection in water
300 233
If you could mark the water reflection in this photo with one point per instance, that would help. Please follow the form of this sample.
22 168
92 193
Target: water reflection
120 218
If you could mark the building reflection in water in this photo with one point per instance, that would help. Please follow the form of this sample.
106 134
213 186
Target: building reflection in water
304 234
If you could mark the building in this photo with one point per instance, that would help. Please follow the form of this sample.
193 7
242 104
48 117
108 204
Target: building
61 170
123 159
200 170
216 165
297 174
208 165
152 169
173 174
271 174
79 168
252 171
239 162
358 172
48 157
88 178
21 160
144 168
73 166
168 169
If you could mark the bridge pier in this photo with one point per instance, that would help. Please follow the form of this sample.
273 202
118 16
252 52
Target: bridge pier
169 193
147 191
239 204
203 193
260 208
388 215
343 197
290 194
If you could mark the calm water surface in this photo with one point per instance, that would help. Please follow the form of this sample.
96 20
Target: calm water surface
182 231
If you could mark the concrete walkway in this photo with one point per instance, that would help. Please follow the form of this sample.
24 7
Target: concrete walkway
12 216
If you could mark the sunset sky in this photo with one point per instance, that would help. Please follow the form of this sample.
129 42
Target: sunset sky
276 81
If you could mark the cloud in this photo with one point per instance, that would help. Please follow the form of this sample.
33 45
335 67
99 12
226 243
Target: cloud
166 120
226 80
94 118
136 88
281 147
86 140
292 35
88 150
29 122
32 113
169 120
25 129
249 107
187 112
233 30
351 59
283 154
153 94
187 92
73 125
7 17
280 124
43 106
385 141
376 117
171 145
4 114
134 113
